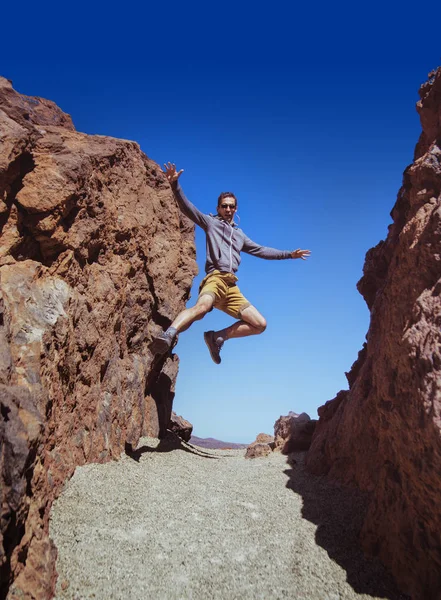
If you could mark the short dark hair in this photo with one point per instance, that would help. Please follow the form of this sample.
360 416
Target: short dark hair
226 195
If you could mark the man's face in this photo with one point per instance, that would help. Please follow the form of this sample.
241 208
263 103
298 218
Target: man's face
227 208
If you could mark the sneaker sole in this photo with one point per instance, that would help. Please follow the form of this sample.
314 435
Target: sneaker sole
215 358
159 346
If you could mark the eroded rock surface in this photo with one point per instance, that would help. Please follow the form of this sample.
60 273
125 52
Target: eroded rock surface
383 434
293 432
95 258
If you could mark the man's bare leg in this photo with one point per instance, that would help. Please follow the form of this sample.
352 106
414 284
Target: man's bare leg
251 323
163 342
189 315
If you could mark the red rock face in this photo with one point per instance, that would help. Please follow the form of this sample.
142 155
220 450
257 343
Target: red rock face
95 258
384 433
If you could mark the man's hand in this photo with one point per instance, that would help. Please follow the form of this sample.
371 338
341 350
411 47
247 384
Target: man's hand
170 172
303 254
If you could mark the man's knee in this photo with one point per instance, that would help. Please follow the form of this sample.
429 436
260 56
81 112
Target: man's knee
253 317
261 325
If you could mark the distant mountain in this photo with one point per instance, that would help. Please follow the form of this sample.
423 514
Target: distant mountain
214 444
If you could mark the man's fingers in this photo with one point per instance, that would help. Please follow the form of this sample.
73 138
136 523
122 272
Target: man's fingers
170 172
303 254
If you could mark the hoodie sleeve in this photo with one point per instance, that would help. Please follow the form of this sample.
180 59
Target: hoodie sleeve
254 249
188 208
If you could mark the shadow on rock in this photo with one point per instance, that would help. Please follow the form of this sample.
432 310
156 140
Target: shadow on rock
168 443
338 513
159 387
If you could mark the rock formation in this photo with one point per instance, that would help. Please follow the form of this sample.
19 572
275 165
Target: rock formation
180 426
383 434
294 432
262 446
95 258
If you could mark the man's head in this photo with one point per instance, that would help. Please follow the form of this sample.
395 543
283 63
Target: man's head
227 206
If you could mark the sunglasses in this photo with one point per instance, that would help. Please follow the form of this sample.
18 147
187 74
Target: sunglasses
232 206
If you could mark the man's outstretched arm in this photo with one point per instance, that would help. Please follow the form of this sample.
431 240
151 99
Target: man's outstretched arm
184 204
254 249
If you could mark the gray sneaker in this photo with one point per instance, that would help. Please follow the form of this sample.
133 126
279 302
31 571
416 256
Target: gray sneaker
162 343
213 346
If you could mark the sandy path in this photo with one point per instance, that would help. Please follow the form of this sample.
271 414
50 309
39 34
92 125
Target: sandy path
188 523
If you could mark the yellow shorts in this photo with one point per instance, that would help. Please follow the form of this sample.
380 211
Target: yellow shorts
227 297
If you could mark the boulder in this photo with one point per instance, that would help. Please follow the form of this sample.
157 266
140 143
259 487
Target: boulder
257 450
264 438
293 432
180 426
262 446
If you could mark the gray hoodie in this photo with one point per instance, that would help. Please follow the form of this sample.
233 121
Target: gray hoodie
225 241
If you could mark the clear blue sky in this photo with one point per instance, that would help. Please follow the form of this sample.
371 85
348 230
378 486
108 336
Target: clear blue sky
305 111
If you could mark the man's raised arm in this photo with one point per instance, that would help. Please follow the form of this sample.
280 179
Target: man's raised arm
184 204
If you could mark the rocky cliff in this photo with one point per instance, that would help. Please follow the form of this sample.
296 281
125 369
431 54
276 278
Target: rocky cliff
384 433
95 258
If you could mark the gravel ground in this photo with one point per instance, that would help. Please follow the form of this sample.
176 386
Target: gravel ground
176 521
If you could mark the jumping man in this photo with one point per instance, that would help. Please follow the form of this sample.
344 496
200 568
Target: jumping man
225 242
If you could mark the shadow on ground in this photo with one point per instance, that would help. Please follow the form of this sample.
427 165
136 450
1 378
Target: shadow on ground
168 443
338 512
